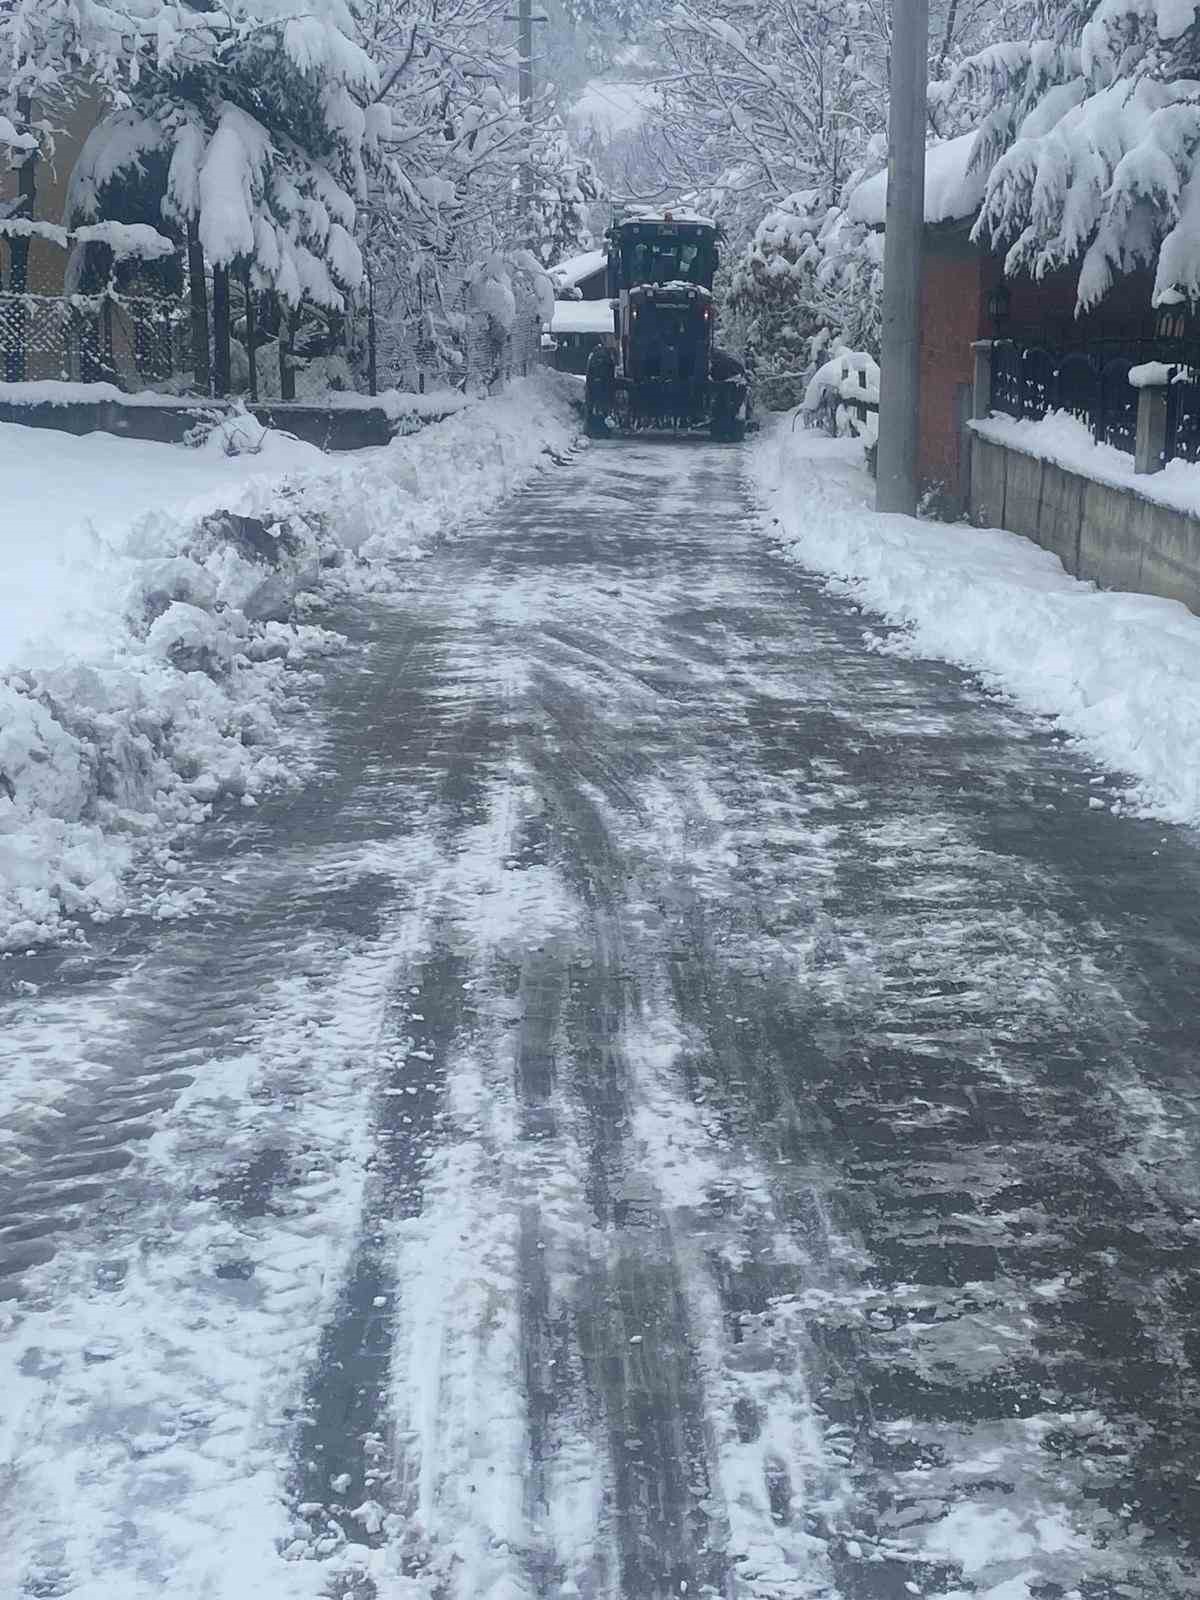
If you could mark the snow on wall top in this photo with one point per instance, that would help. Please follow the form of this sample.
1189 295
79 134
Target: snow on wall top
952 192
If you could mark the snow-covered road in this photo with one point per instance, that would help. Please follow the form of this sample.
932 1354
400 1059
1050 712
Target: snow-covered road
686 1105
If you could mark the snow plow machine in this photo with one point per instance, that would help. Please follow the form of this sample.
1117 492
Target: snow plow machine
661 369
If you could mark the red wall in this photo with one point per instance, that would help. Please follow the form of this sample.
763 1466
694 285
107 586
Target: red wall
952 318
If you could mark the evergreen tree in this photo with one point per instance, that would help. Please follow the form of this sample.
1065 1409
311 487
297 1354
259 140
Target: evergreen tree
1089 131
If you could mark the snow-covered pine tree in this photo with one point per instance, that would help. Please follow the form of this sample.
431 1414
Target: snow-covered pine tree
259 114
1090 132
809 278
564 186
445 196
772 113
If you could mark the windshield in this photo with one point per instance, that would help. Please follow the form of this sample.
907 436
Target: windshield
664 258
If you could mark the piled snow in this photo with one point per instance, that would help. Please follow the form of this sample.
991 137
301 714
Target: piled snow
1067 442
953 190
148 618
1118 672
1152 374
849 375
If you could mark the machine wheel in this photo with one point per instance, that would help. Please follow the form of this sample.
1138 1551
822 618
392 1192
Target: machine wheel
598 393
728 430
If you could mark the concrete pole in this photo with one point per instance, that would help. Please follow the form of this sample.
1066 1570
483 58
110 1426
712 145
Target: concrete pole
525 99
900 362
525 58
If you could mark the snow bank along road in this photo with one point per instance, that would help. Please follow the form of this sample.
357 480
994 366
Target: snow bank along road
686 1105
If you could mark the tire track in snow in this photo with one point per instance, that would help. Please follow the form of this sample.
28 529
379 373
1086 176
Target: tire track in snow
341 1480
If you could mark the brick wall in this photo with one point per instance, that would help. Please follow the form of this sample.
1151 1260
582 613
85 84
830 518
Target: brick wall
953 299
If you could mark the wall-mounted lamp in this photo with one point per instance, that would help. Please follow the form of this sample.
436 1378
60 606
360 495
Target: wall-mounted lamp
999 305
1171 321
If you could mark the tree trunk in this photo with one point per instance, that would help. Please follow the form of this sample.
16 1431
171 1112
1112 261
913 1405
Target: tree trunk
221 352
372 347
289 321
198 295
251 329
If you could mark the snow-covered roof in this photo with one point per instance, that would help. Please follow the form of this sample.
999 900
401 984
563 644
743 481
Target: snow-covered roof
582 316
570 273
668 214
951 191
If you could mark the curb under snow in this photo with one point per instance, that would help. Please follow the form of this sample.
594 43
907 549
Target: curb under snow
1118 672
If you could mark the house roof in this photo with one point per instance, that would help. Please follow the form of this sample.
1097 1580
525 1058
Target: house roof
952 192
570 273
582 316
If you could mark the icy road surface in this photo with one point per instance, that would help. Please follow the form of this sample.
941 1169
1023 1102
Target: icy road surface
686 1105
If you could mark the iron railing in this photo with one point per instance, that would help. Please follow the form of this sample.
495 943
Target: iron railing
1091 382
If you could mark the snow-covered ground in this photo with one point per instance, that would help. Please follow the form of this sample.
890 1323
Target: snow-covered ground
145 637
1118 672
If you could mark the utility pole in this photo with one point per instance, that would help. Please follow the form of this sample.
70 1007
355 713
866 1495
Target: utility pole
900 362
525 19
525 58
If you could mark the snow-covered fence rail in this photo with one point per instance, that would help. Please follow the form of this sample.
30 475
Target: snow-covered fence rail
133 341
843 395
1028 380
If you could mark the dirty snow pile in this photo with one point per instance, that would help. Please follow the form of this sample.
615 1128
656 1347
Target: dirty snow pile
155 599
1120 673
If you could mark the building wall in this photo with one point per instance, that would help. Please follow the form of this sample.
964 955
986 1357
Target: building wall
594 286
956 281
953 298
47 263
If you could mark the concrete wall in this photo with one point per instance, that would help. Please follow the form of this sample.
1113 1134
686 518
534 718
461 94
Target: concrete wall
329 428
1115 537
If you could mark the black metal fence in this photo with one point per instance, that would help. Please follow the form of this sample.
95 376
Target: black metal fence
1091 382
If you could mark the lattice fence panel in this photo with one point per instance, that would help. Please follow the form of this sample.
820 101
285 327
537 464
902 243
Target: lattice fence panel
133 342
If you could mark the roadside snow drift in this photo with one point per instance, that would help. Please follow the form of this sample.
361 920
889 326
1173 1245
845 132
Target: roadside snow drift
1118 672
154 600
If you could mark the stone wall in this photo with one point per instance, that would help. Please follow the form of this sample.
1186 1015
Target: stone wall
1116 538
